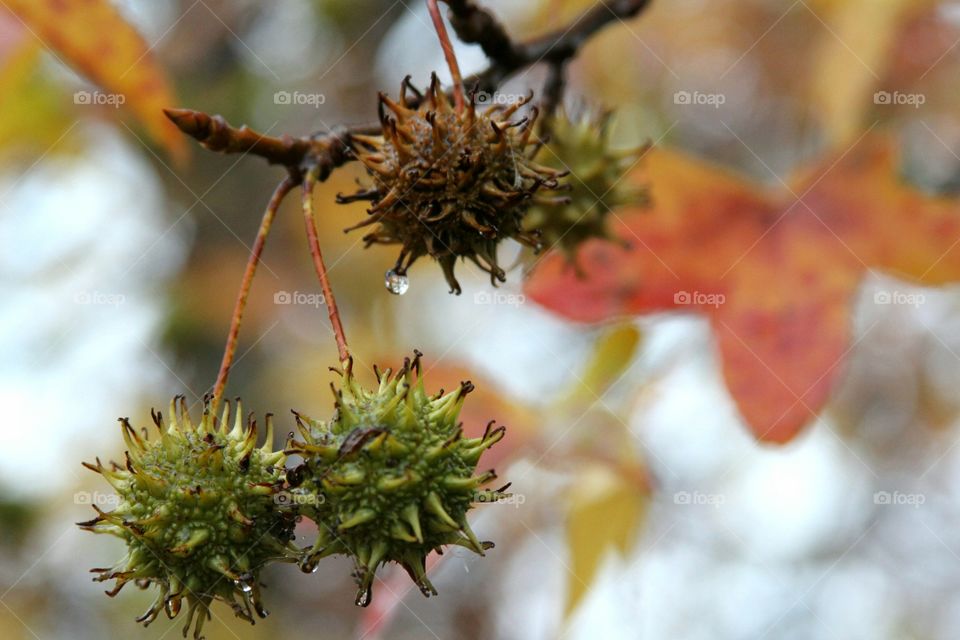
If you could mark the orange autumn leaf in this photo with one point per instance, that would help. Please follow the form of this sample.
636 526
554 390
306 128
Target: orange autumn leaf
776 271
92 37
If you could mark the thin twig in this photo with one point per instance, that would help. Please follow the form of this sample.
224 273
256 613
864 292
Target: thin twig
327 150
214 133
310 180
448 53
252 263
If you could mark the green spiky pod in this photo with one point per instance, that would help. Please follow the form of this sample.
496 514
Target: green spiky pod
198 513
395 474
451 184
597 182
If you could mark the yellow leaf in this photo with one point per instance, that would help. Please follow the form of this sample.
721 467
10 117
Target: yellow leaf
93 38
605 511
33 118
851 57
611 357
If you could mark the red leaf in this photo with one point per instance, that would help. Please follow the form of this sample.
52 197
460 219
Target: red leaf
775 272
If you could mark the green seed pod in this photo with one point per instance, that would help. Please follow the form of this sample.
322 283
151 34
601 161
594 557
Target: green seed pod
597 182
396 475
451 184
198 513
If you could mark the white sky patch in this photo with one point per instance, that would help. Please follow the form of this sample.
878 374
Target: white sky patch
83 255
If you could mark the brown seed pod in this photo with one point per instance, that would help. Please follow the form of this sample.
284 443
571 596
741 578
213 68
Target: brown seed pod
451 184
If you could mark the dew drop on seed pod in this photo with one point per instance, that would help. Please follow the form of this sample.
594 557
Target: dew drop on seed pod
364 597
309 565
396 283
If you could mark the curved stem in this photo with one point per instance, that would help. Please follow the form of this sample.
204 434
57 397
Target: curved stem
313 238
252 263
448 54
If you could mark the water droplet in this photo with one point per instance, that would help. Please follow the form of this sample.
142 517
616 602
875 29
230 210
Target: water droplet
364 597
309 565
396 283
244 586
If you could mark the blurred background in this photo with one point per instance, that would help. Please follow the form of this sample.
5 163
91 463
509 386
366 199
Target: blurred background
645 509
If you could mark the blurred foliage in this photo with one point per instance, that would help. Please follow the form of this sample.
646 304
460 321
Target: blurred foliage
95 39
798 79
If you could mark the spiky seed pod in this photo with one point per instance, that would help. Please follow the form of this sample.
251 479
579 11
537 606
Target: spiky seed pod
197 512
597 181
396 475
451 184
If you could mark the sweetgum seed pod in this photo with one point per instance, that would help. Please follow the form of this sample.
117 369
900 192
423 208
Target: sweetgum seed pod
598 182
198 513
451 184
390 478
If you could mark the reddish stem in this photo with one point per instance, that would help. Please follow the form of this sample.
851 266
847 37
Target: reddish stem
448 54
313 238
252 263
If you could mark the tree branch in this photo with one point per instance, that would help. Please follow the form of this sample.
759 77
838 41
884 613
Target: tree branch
328 150
325 151
478 26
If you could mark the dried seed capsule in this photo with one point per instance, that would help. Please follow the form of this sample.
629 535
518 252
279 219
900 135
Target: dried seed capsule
450 184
